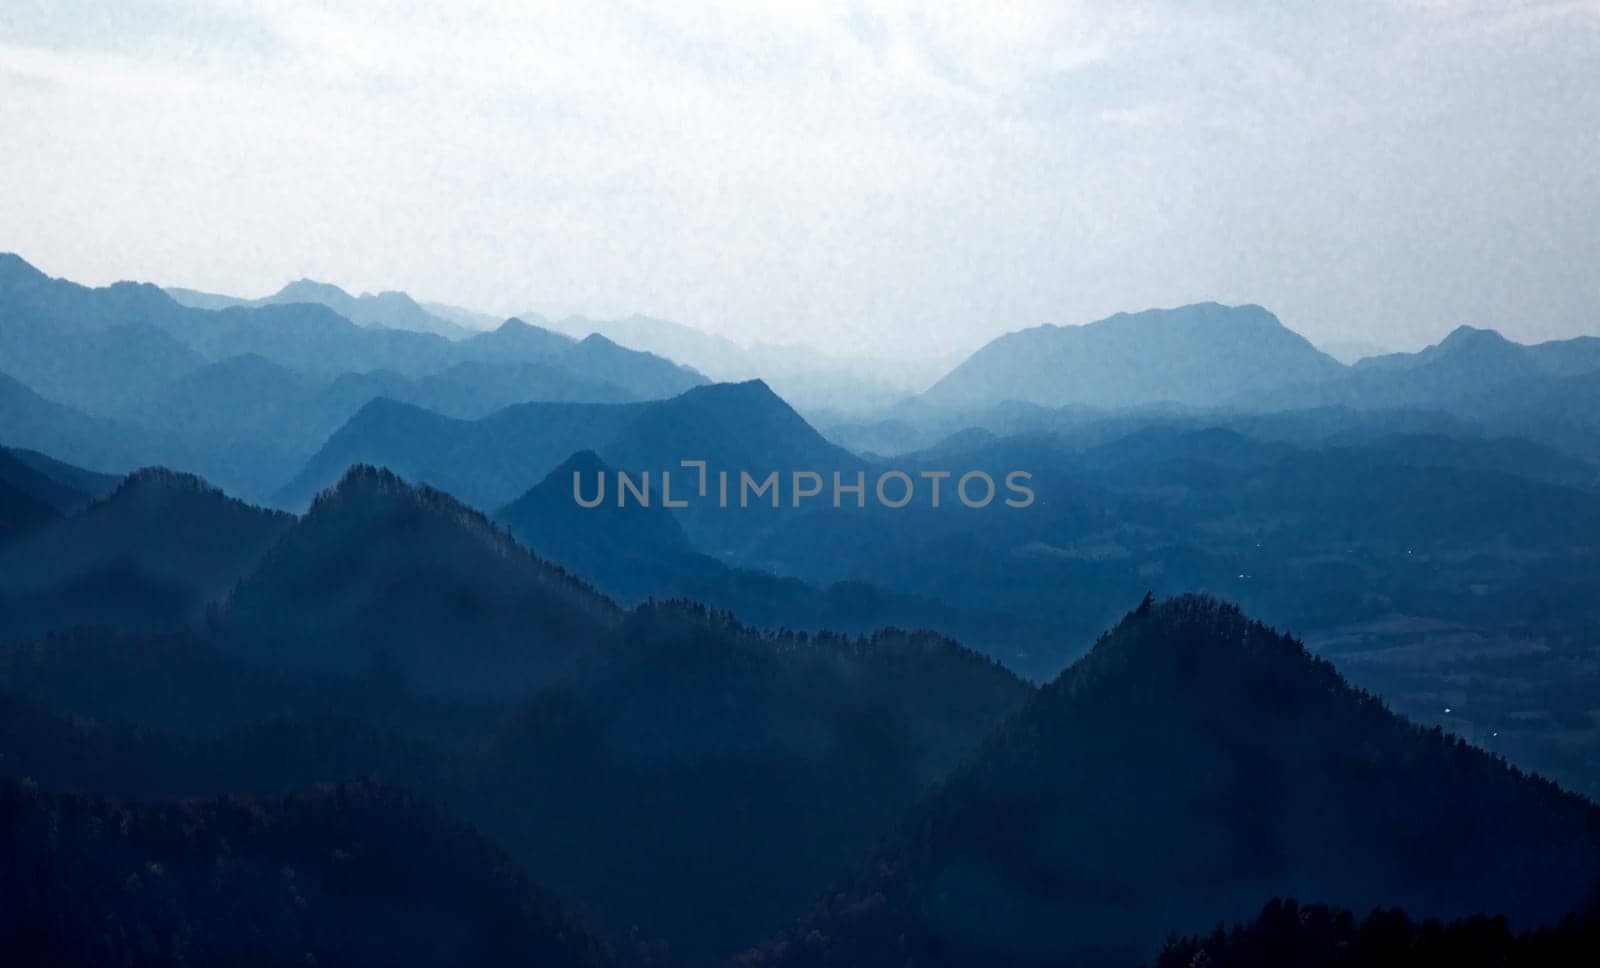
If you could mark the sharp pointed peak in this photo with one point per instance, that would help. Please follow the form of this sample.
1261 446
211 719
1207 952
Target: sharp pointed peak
582 460
516 324
1192 632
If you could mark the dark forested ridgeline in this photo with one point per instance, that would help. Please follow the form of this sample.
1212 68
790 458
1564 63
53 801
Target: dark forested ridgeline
689 781
1191 764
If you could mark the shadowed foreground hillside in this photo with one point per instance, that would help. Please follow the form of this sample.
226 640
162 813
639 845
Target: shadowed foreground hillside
354 874
1191 764
704 780
383 576
149 555
684 773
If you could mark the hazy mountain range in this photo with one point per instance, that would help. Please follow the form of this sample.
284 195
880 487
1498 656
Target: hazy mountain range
491 460
124 375
809 379
349 678
392 310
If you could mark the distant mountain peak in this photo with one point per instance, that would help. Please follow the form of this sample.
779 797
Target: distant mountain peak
1475 338
548 521
310 290
744 399
1476 355
1203 354
379 410
1207 313
394 300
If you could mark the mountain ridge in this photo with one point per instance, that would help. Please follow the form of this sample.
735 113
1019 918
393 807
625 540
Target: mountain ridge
391 309
381 578
1180 771
1198 355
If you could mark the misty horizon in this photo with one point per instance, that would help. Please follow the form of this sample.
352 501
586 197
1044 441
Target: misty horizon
855 178
476 319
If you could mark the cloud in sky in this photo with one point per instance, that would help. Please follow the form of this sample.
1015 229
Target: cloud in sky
877 175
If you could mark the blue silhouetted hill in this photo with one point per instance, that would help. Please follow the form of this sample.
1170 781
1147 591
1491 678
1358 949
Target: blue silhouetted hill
1199 355
151 554
385 578
1193 763
738 768
493 460
634 553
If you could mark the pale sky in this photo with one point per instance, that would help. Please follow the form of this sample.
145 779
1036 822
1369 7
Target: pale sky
876 176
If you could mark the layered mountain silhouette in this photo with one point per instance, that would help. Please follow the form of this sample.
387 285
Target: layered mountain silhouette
493 460
178 379
29 421
736 426
1464 373
63 486
247 419
1305 523
635 553
676 744
1241 360
633 543
683 741
807 773
385 579
1200 355
151 554
392 310
810 380
1191 764
35 489
485 462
